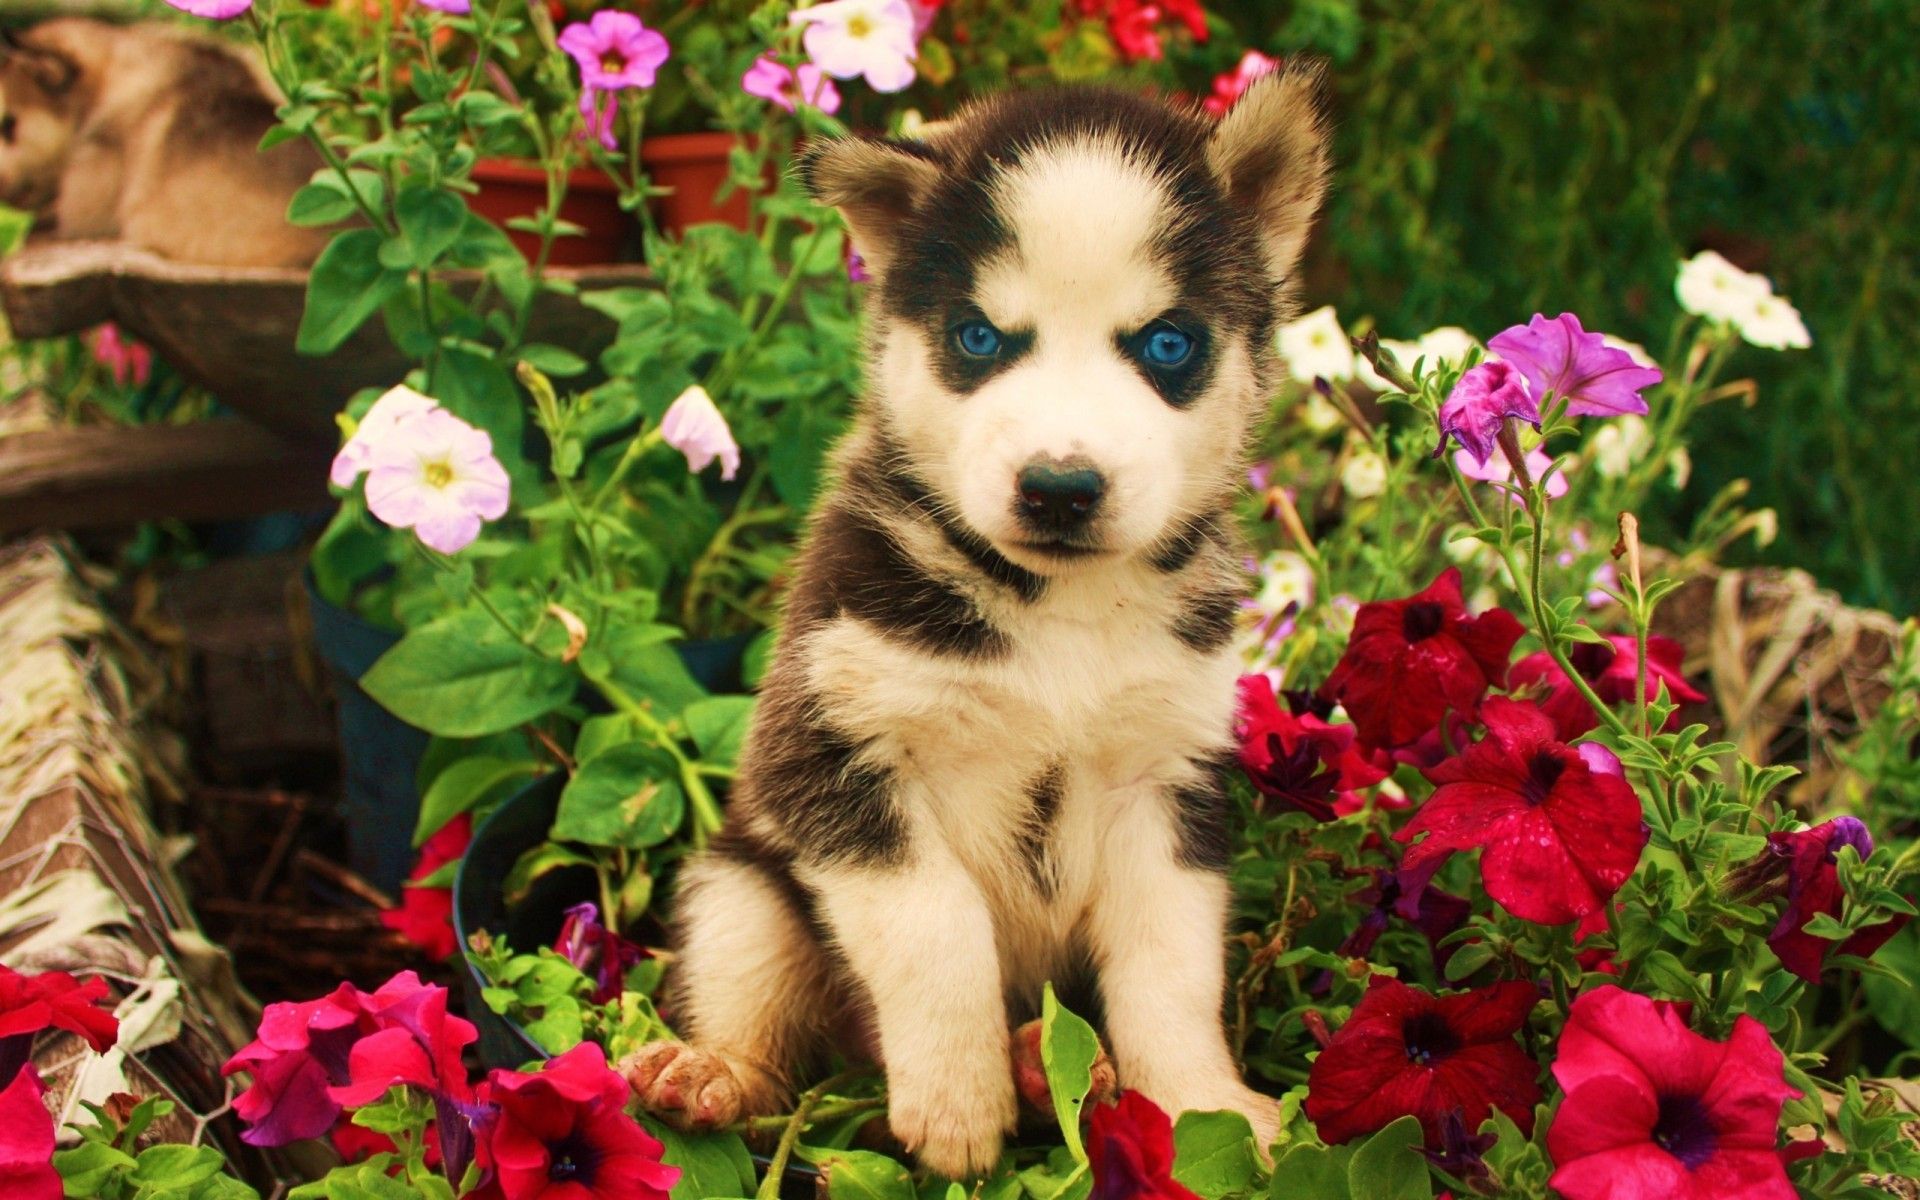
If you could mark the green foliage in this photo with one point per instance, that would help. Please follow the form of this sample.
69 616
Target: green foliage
106 1166
1495 161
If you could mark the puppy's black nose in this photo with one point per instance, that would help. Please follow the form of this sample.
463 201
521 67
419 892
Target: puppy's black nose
1057 496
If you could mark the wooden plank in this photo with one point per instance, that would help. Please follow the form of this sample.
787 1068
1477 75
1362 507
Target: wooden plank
118 475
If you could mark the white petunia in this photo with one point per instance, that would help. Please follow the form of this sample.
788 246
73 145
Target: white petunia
437 476
1286 579
852 38
1364 475
1771 322
1316 347
1709 286
1619 444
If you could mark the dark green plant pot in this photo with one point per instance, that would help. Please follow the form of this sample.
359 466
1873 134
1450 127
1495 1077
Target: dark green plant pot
380 753
511 830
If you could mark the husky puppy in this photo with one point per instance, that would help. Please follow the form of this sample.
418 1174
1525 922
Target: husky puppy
990 751
145 135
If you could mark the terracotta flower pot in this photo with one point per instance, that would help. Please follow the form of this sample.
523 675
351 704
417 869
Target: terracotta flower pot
694 165
510 189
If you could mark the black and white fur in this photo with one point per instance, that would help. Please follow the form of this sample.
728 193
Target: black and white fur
989 752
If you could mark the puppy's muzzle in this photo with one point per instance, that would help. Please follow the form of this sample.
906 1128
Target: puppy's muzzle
1058 498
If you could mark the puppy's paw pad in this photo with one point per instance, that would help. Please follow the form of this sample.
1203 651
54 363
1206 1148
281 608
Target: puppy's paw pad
952 1136
692 1088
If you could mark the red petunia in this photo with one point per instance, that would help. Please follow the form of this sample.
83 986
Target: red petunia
1130 1152
56 1000
1411 660
26 1140
1655 1111
1135 29
1559 836
1612 671
311 1059
1408 1052
1805 865
424 915
1300 761
564 1134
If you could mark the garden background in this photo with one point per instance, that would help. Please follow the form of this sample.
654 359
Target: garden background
1490 161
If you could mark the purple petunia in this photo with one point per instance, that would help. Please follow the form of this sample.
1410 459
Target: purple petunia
1560 358
1482 402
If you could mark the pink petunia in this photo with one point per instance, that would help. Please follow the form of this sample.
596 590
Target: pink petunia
772 80
439 478
1655 1111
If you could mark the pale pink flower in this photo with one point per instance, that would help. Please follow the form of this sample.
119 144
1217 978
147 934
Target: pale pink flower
1498 470
458 8
695 428
438 477
771 79
852 38
380 426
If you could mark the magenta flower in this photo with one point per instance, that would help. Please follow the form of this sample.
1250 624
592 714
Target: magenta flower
128 361
597 951
1804 865
771 79
457 8
1481 403
615 51
213 10
1560 358
27 1138
311 1060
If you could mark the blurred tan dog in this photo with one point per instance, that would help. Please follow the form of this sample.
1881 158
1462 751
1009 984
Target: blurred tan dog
146 135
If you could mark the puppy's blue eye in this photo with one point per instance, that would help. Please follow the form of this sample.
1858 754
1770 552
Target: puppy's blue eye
978 338
1167 347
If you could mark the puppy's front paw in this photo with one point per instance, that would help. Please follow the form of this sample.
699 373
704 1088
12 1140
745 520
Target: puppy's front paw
691 1088
954 1128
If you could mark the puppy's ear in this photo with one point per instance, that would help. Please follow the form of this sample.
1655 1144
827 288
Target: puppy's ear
876 184
48 70
1270 153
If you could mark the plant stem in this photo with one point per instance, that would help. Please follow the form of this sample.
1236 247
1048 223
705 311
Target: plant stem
789 1137
706 810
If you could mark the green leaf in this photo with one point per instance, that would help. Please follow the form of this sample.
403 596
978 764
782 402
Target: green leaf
464 786
719 725
321 203
348 284
224 1187
175 1168
860 1174
85 1169
629 796
1311 1172
1213 1153
1068 1047
1895 1004
463 676
431 221
542 859
1388 1165
554 360
1468 959
711 1164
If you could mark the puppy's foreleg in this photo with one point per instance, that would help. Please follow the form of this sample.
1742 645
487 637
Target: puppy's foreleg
920 939
1158 930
